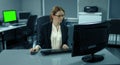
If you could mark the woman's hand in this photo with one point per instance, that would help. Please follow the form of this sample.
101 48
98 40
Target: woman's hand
65 47
36 49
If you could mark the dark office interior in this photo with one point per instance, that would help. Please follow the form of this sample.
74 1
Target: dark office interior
30 12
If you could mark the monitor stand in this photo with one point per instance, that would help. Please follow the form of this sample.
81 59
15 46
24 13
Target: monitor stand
92 58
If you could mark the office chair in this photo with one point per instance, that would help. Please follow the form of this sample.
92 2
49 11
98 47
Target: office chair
40 21
114 28
28 31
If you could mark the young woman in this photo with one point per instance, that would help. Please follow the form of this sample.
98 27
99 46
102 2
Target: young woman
54 34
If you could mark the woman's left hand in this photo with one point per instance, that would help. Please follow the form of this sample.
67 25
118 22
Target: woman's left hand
65 47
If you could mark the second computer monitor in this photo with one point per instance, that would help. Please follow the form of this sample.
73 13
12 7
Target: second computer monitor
24 15
89 39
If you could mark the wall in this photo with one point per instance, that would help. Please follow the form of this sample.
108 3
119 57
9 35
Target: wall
101 4
9 4
114 9
33 6
73 7
70 7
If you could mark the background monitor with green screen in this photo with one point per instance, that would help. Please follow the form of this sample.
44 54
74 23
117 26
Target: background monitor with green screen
9 16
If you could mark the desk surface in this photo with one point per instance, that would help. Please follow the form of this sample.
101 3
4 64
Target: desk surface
2 29
23 57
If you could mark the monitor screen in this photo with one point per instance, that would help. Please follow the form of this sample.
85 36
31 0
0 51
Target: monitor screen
89 39
9 16
24 15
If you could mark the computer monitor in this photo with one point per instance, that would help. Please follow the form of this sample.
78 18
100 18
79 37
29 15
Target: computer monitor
89 39
9 16
24 15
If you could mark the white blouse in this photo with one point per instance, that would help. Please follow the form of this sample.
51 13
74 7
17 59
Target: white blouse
56 37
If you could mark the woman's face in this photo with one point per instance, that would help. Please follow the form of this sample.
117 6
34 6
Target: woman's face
58 17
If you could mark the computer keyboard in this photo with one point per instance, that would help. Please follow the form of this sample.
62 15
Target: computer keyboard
55 51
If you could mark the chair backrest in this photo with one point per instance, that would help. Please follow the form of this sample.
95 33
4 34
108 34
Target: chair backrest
31 24
40 21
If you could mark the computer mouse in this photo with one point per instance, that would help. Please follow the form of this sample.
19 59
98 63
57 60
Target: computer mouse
33 53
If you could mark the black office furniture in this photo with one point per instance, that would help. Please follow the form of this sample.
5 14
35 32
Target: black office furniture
40 21
28 31
7 38
8 35
115 31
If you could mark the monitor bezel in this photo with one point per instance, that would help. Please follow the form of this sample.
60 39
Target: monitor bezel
12 21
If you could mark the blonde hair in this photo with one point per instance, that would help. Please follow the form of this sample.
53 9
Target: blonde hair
54 10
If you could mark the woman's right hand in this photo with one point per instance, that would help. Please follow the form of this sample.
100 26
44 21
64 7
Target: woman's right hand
36 49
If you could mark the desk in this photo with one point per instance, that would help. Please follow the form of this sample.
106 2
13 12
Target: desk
3 29
23 57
